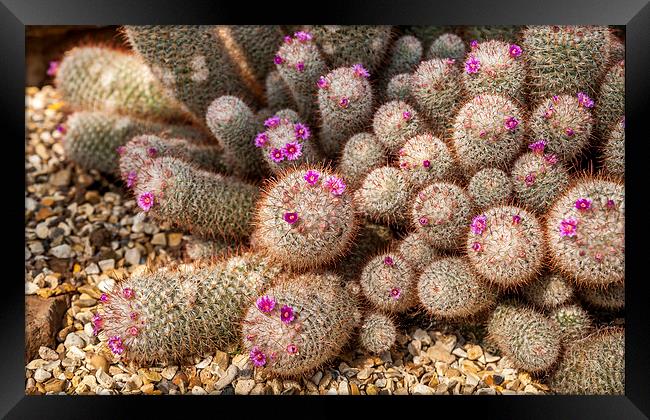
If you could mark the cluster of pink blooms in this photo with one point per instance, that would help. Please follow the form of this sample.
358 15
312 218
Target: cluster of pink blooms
335 185
291 150
266 304
299 36
479 223
585 100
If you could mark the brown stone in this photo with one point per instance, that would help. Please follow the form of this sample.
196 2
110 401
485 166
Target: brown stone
43 319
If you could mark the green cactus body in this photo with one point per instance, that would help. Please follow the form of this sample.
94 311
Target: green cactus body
278 94
92 139
384 196
594 365
399 88
489 187
417 251
425 159
488 132
564 123
573 320
441 213
305 218
346 45
191 61
613 151
505 246
610 101
585 230
233 122
299 324
388 282
436 90
405 55
287 142
564 59
300 65
538 179
549 291
169 315
378 333
104 79
528 338
345 103
394 123
480 33
447 288
362 153
201 202
608 298
495 68
447 46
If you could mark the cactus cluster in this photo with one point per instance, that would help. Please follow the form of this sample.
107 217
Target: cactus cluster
435 170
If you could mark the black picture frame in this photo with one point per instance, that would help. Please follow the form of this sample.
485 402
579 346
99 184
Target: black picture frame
15 15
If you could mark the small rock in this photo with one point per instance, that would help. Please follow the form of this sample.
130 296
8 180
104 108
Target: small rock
104 379
169 372
364 374
197 390
54 385
371 390
159 239
486 391
227 379
92 269
47 353
99 362
343 388
440 352
354 389
42 231
221 359
174 240
459 352
106 265
73 339
474 352
41 375
422 336
43 320
30 288
244 386
61 178
62 251
132 256
421 389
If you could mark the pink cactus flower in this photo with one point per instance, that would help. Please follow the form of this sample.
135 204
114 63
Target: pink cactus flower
312 177
514 51
472 65
116 345
322 83
479 223
538 146
257 357
132 330
265 304
360 71
301 131
300 66
290 218
261 139
292 151
274 121
278 60
128 293
292 349
344 102
426 163
276 155
569 132
530 179
516 219
131 179
286 314
583 204
302 36
476 246
423 220
585 100
511 123
335 185
568 227
146 201
395 293
53 68
406 115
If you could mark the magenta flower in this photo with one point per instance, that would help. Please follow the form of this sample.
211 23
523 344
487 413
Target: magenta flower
598 256
406 115
556 98
276 155
549 113
568 227
550 158
286 314
53 68
300 66
344 102
322 83
278 60
516 219
131 178
472 65
132 330
473 43
288 39
290 218
511 123
128 293
272 122
120 150
146 200
423 220
98 324
530 179
257 356
514 51
61 128
292 349
476 246
265 304
395 293
388 260
479 223
538 146
610 204
404 165
103 298
292 150
116 345
312 177
261 139
335 185
133 316
585 100
426 163
302 36
301 131
583 204
359 70
152 152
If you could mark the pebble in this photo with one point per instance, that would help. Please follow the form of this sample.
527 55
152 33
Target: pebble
226 379
106 265
42 231
42 375
92 269
244 387
159 239
104 379
73 339
47 353
61 251
54 385
343 388
169 372
31 288
420 389
474 352
197 390
174 239
132 256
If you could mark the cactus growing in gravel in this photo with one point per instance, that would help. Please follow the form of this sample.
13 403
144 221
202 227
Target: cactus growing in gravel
286 142
613 150
388 282
235 125
549 291
378 333
425 158
610 101
529 339
417 251
345 103
435 88
585 230
347 45
305 218
489 186
104 79
538 178
399 88
168 315
205 203
487 131
405 55
93 138
299 323
441 213
448 288
191 61
394 123
300 65
564 123
447 46
505 245
593 365
573 320
495 68
564 59
384 196
278 95
362 153
608 298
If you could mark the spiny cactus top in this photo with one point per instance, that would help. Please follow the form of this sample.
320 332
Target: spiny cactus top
425 158
394 123
388 282
377 333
